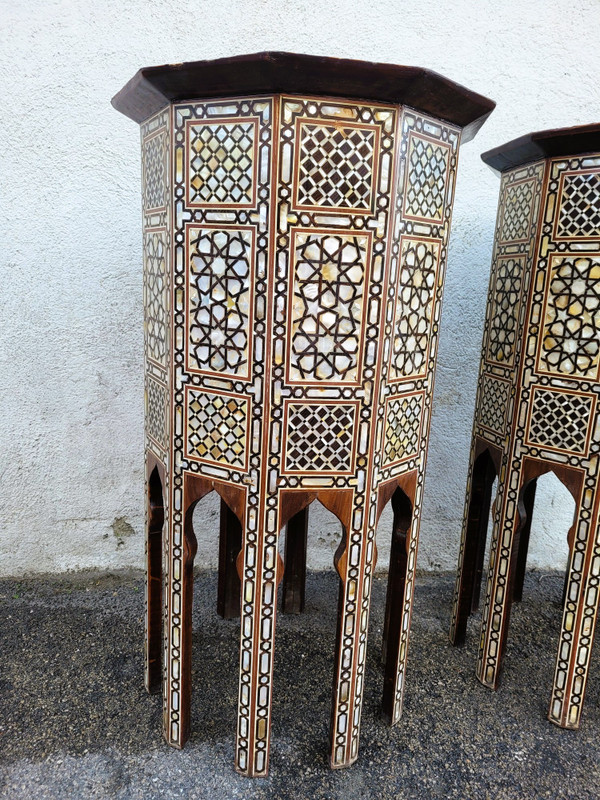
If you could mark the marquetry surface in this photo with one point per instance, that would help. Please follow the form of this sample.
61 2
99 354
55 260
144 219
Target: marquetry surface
552 412
293 290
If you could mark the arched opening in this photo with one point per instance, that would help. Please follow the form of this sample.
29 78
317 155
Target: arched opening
154 554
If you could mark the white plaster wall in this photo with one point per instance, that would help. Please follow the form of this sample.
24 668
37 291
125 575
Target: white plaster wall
71 417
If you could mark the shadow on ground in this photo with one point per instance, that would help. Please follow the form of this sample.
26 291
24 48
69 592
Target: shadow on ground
75 721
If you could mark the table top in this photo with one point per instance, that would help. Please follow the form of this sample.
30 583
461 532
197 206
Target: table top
152 88
552 143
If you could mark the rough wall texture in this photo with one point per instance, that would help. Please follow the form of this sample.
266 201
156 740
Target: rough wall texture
71 419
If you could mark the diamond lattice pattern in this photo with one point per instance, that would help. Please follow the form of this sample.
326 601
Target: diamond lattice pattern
154 171
219 300
319 438
156 412
493 403
414 306
571 338
516 211
402 428
335 166
580 206
327 304
221 163
560 420
426 184
217 428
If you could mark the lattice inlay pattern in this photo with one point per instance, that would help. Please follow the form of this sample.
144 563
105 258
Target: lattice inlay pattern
402 427
154 171
156 412
493 403
503 323
579 214
219 299
571 337
156 306
327 306
427 172
335 166
221 162
559 420
217 428
516 211
319 437
414 307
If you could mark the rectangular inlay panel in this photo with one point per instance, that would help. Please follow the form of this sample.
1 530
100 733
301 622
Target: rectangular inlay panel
402 427
320 438
217 428
560 420
327 304
579 206
220 297
517 204
221 162
506 303
154 171
493 403
570 342
157 405
336 165
426 179
415 294
156 295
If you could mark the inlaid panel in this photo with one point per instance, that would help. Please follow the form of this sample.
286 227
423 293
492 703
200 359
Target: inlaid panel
503 327
415 296
154 170
493 403
217 428
320 438
516 211
403 428
157 415
426 178
570 343
222 162
220 298
327 305
156 295
579 209
336 165
560 420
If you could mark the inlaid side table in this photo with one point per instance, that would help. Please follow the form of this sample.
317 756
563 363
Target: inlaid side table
537 397
296 219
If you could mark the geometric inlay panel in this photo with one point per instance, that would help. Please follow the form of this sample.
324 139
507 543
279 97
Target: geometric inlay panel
221 162
571 335
414 306
217 428
560 420
426 173
493 403
319 437
516 211
579 214
220 299
402 427
154 171
156 296
505 310
156 412
326 305
335 166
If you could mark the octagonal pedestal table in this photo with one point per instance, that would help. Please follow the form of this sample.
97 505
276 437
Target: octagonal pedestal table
296 218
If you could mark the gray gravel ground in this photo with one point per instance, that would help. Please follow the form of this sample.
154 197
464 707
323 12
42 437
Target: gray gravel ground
75 721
